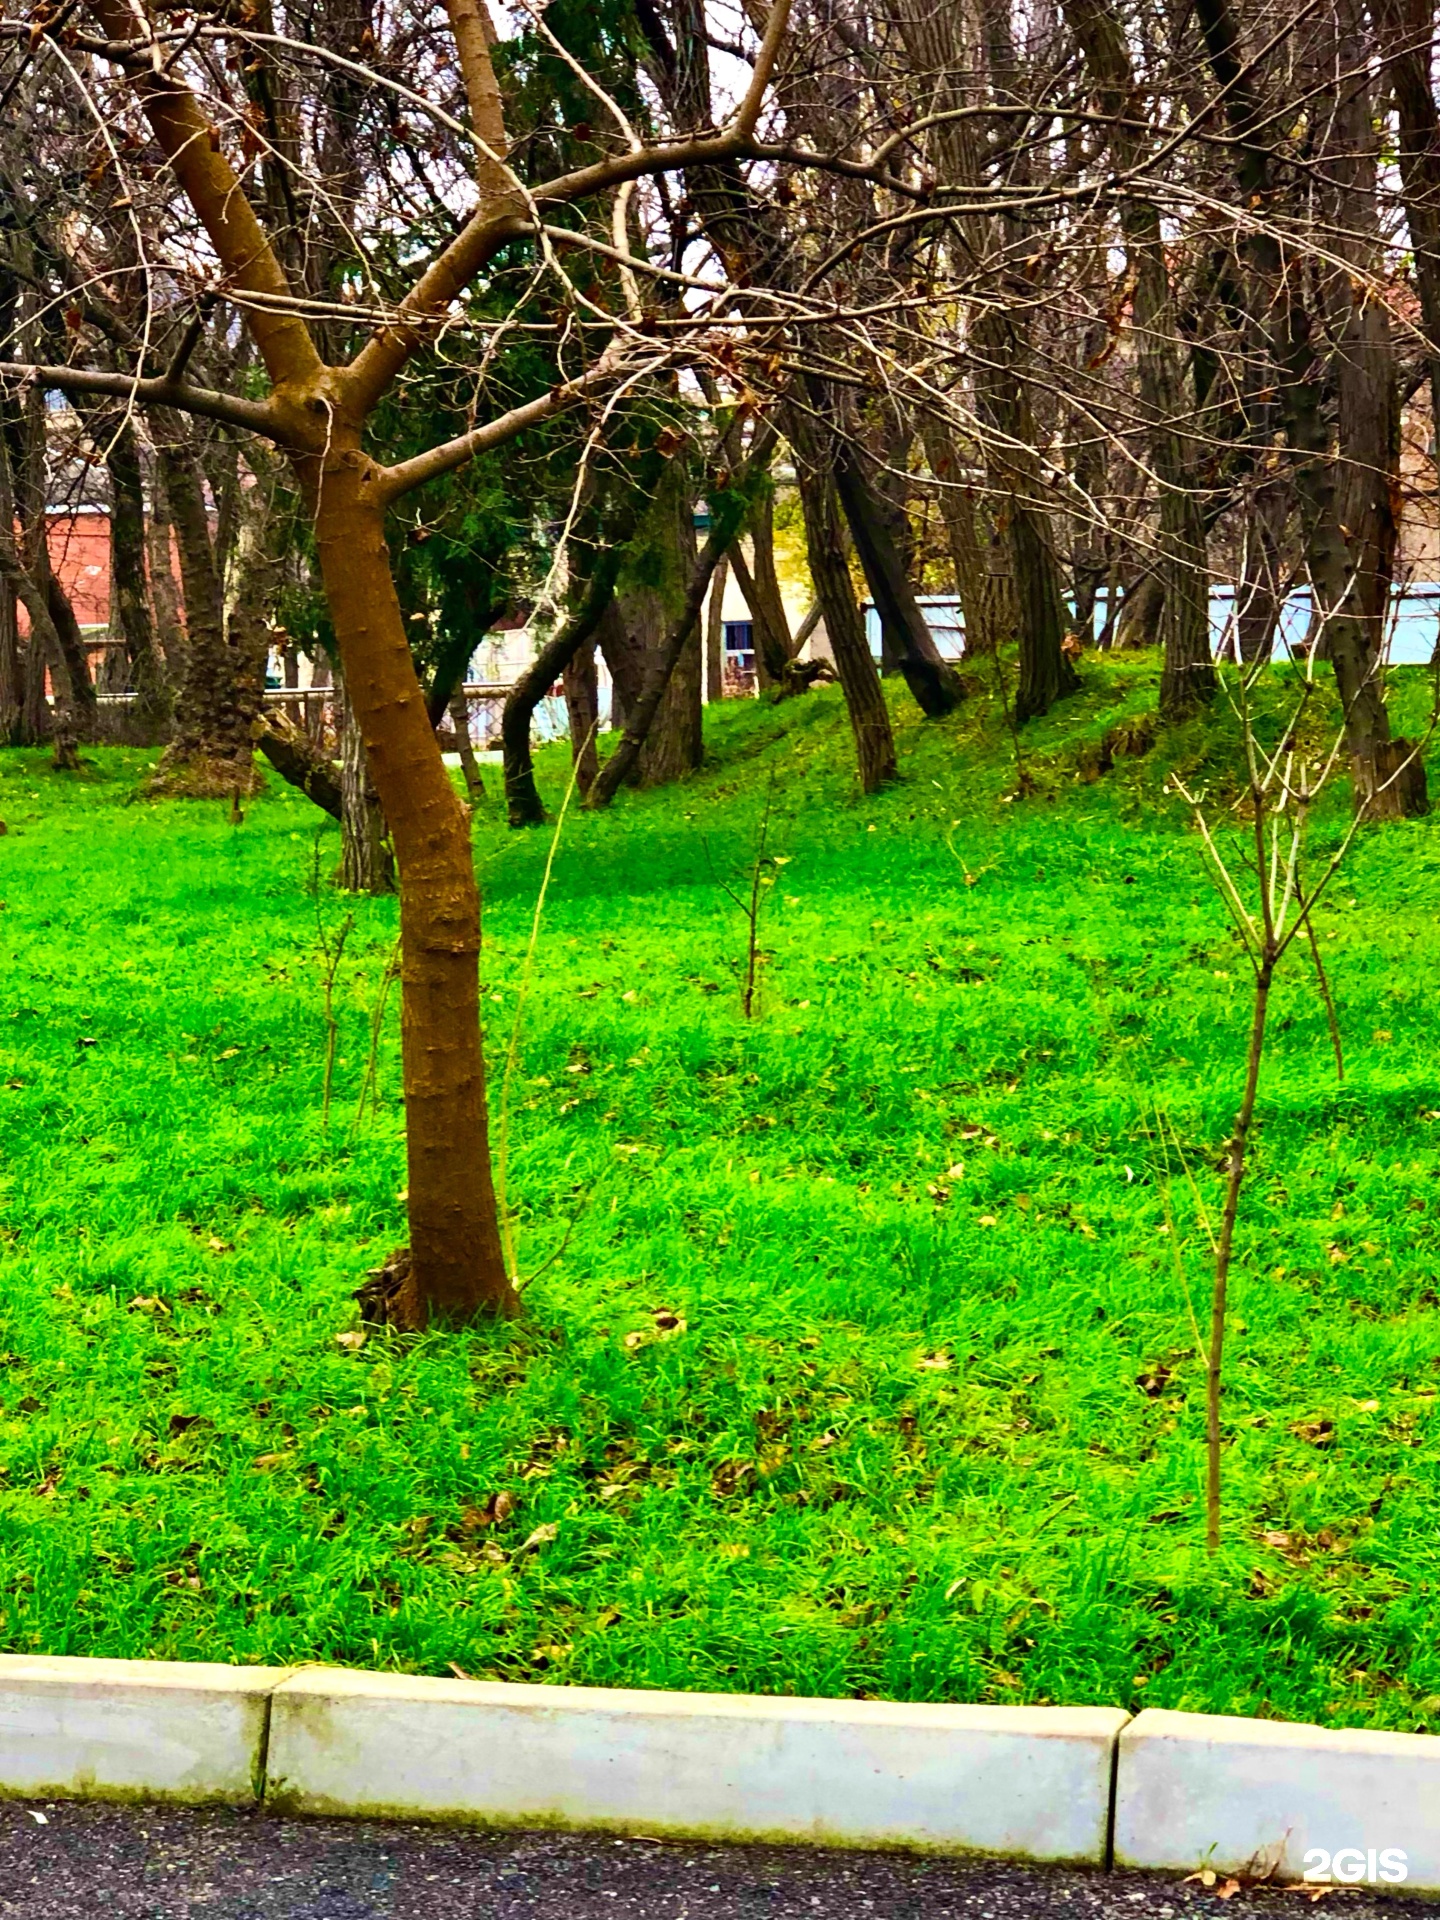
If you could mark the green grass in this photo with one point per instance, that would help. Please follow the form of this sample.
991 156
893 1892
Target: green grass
901 1446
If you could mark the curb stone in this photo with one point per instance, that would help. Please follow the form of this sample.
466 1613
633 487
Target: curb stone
1166 1791
134 1729
1264 1798
1024 1782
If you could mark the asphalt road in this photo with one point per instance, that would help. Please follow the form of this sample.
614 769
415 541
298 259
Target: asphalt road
122 1863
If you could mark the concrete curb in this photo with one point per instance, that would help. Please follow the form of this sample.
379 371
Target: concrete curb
1264 1799
134 1729
1173 1792
1026 1782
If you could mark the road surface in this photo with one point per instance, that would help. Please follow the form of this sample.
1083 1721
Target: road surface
125 1863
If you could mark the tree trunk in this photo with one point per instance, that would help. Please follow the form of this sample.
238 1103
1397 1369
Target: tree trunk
967 554
582 706
677 655
1260 597
164 597
715 633
1350 588
35 720
212 753
1045 672
1406 30
44 644
297 759
62 640
11 673
523 805
469 765
830 576
454 1267
908 643
671 737
1187 677
366 862
761 588
127 583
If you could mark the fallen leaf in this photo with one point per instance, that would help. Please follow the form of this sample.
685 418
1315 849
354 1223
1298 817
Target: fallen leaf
220 1246
1317 1433
935 1362
39 1818
987 1220
1153 1382
541 1537
1280 1541
147 1303
1230 1888
268 1460
352 1340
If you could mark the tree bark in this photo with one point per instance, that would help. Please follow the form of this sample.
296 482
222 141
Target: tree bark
11 677
663 664
907 642
366 862
455 1266
127 582
212 753
523 804
761 588
715 633
967 554
671 740
582 707
1187 676
164 596
1348 525
469 765
830 576
297 759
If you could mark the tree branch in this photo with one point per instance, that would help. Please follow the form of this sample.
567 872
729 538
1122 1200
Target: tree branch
254 416
409 474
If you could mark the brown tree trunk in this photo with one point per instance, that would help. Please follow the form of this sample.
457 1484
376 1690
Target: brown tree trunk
907 642
1187 676
296 758
761 588
582 706
164 595
61 638
1260 596
523 804
671 738
455 1267
212 753
1349 582
967 553
35 718
715 633
366 862
677 654
12 692
830 576
464 746
127 583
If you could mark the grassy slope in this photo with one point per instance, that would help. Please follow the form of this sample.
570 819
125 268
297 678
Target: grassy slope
900 1447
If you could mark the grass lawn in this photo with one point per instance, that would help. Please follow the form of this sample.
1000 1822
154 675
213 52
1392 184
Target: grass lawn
859 1356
